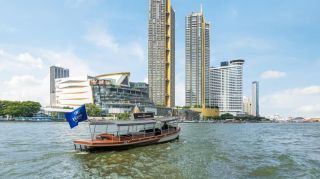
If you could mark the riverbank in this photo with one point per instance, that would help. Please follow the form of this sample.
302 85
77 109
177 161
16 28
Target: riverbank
251 122
226 121
181 121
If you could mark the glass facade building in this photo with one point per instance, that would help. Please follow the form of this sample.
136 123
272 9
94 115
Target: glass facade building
120 98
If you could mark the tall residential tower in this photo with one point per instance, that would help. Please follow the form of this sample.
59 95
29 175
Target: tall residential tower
255 98
161 53
197 60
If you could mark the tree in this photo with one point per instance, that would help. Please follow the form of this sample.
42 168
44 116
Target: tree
226 116
3 106
19 109
123 116
29 108
93 110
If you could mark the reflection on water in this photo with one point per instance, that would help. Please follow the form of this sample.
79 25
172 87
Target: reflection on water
45 150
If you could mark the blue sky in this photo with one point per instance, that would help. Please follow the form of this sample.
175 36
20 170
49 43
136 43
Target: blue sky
279 39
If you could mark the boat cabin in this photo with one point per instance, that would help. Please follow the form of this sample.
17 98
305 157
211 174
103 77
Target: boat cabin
124 134
127 130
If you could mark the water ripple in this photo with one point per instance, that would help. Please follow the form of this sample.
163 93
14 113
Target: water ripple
203 151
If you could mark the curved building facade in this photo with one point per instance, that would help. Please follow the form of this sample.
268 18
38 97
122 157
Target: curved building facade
73 91
113 92
226 87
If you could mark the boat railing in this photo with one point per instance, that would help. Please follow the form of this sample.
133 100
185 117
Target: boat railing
125 135
169 130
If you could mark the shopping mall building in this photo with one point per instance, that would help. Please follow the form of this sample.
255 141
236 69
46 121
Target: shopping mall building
113 92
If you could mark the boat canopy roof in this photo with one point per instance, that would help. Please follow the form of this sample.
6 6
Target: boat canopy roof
123 123
167 119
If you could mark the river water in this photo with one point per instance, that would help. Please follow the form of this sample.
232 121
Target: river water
45 150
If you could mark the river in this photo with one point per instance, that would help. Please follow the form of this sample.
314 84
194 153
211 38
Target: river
45 150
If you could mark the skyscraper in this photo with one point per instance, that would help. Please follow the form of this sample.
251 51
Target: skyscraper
226 87
255 98
161 53
197 55
56 73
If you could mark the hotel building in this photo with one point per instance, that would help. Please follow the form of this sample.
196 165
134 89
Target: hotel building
197 53
226 87
161 53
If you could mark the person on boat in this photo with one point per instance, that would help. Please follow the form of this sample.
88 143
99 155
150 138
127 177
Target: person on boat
165 126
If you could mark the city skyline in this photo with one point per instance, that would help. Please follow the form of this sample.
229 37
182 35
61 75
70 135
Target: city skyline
88 36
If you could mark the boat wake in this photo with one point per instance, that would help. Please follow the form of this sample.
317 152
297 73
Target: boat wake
82 153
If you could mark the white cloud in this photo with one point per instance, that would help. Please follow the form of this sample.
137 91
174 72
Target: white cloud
102 39
28 59
114 55
315 108
21 82
272 74
67 59
26 87
293 102
145 80
10 61
307 90
130 52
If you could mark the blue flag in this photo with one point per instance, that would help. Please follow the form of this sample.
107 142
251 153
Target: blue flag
76 116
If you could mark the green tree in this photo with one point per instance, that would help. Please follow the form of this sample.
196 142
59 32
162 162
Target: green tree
226 116
19 109
54 115
3 106
123 116
29 108
93 110
13 109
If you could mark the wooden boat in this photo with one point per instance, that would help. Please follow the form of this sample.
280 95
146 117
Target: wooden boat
118 135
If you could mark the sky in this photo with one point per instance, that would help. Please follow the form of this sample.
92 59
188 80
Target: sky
278 39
